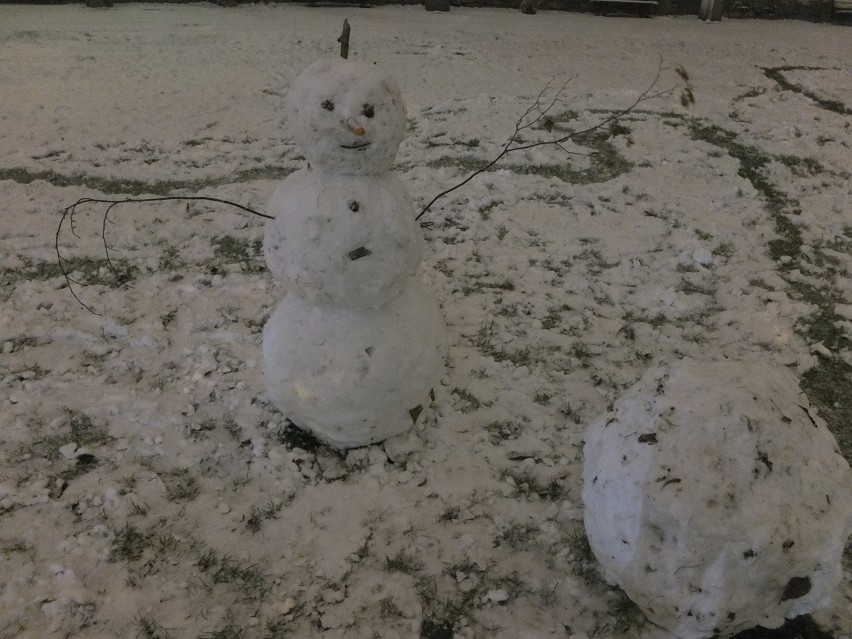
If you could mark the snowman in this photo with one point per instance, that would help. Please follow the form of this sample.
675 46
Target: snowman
352 352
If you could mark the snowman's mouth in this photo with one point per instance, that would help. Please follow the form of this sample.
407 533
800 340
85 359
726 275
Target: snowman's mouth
356 145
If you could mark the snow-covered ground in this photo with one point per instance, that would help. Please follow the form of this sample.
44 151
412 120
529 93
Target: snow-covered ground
148 487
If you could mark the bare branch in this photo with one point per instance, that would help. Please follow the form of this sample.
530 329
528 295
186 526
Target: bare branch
70 211
514 143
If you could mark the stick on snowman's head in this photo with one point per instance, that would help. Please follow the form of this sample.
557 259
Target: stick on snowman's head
347 117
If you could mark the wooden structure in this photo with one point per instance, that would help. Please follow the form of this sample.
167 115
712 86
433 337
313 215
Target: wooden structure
711 10
643 8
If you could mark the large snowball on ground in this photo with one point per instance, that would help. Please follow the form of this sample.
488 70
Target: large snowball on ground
717 499
347 117
353 377
340 240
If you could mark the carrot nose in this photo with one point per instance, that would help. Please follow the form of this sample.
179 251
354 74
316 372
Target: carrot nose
356 129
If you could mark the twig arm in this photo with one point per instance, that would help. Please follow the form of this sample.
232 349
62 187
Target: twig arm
542 111
69 212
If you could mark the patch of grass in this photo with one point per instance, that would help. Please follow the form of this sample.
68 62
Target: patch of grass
82 270
450 513
527 485
403 562
802 167
280 628
553 319
828 386
517 536
571 412
752 160
231 249
605 162
479 286
363 550
777 75
180 485
129 544
584 564
485 209
23 341
247 578
542 398
123 186
504 429
228 631
581 351
483 342
469 401
520 357
467 566
753 165
168 318
15 547
690 288
81 430
595 263
627 616
724 249
617 128
829 383
433 628
759 283
388 609
199 431
171 260
464 163
441 615
261 513
750 93
150 629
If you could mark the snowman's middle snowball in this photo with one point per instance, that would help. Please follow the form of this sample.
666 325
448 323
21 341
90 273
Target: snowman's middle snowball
343 240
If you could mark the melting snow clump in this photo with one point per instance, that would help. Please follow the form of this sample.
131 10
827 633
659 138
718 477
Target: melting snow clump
717 498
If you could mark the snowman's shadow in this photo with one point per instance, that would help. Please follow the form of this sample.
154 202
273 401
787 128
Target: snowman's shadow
803 627
294 437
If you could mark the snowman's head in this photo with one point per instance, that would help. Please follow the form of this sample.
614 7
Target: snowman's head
347 117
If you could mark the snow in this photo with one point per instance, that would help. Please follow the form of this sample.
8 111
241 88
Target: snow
323 221
560 286
702 502
354 376
354 350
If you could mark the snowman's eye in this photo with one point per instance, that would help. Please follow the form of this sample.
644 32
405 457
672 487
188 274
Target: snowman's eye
328 105
368 111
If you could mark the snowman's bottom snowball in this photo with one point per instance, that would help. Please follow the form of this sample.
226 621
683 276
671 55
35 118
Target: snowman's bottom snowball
716 498
355 376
